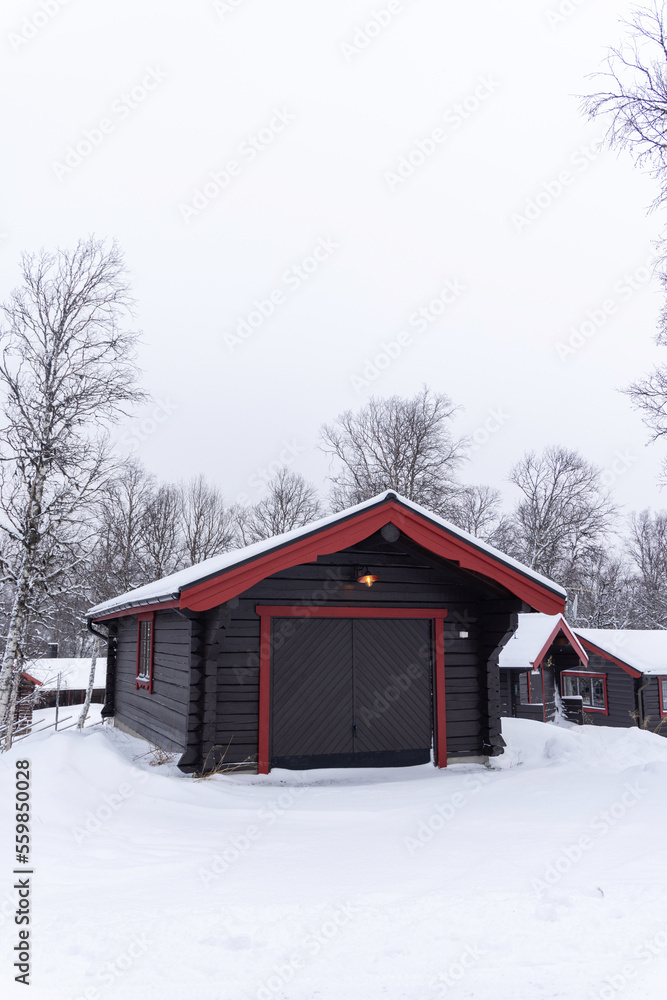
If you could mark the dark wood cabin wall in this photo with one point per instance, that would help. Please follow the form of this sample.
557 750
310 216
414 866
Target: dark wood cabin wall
160 717
499 620
407 579
651 699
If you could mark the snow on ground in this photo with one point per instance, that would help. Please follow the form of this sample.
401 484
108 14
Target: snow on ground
542 877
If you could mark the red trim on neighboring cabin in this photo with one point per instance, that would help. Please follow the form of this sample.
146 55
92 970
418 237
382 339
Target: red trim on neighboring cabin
138 609
440 705
586 673
146 616
31 678
229 583
268 611
563 627
609 656
663 710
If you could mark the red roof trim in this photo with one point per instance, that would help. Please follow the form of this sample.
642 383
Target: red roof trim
229 583
31 678
608 656
563 627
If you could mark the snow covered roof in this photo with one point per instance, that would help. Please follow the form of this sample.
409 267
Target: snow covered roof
532 638
643 649
170 587
74 672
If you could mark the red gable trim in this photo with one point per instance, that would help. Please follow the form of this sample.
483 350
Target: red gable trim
31 678
434 538
563 627
608 656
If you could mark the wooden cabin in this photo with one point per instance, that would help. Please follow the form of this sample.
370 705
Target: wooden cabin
368 638
634 665
538 664
66 678
602 676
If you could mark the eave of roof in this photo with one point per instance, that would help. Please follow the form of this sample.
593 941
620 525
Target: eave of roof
223 577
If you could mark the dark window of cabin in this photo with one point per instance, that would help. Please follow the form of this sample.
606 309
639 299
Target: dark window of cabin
524 689
145 652
663 695
591 688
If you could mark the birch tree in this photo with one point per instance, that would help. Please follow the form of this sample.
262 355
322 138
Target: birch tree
396 443
67 370
206 523
290 502
632 102
563 515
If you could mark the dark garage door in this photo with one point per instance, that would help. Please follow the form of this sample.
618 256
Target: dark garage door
350 692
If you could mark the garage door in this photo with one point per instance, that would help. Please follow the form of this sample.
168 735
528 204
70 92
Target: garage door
350 692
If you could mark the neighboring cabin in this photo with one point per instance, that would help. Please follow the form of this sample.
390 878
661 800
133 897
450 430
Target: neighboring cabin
71 674
369 637
601 676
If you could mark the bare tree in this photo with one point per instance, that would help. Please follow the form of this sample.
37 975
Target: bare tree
206 522
67 369
163 546
290 502
647 546
563 514
633 100
396 443
478 510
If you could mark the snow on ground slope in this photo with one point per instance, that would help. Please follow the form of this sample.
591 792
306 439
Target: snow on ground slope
540 878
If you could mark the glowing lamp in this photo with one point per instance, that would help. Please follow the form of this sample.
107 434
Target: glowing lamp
365 576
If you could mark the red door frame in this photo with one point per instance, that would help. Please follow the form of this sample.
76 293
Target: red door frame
268 611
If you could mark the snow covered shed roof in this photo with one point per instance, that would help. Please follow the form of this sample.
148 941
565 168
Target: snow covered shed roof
74 672
643 650
222 577
531 641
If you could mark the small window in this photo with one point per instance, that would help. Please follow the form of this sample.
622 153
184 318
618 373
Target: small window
524 689
662 681
591 688
145 652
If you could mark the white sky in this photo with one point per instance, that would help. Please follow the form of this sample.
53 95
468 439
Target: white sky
219 76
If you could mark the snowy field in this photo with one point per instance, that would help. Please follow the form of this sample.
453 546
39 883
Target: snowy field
542 877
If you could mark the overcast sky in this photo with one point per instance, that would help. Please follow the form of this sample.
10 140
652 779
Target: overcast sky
305 188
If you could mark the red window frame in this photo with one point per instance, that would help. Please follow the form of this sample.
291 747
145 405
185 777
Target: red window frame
141 681
589 676
661 701
268 611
